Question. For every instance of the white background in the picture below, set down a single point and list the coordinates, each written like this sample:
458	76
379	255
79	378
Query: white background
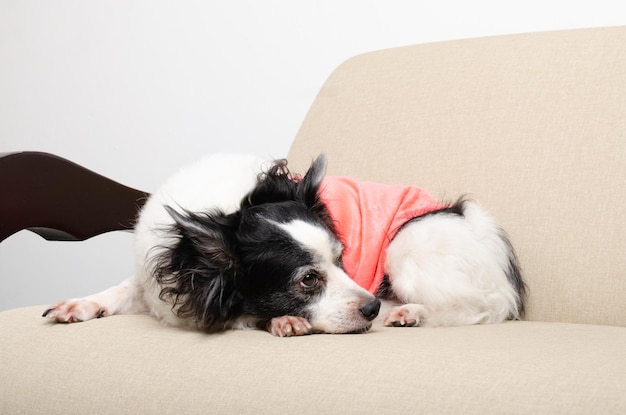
134	89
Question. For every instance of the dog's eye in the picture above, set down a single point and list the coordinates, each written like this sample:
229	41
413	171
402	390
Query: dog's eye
310	280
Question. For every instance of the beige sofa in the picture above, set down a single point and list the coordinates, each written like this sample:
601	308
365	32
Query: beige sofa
534	127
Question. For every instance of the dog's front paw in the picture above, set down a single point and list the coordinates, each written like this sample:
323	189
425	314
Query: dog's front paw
287	326
72	311
406	315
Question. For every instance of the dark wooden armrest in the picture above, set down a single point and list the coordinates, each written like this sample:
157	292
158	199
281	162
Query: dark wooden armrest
60	200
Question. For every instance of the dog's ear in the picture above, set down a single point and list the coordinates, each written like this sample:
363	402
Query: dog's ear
308	187
197	272
279	185
274	185
309	192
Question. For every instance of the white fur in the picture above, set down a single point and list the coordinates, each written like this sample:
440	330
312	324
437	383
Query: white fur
453	267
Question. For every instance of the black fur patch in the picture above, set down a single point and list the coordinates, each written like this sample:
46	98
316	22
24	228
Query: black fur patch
224	266
514	274
385	291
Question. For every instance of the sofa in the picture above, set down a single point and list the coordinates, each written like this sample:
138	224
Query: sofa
533	126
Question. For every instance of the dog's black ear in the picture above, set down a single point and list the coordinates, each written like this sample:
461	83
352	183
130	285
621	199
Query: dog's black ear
273	186
197	272
308	187
309	192
277	184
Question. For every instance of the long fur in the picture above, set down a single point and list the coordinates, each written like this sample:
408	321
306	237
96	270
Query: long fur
199	271
458	264
234	242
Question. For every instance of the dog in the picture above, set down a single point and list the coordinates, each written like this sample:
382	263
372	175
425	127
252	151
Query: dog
234	242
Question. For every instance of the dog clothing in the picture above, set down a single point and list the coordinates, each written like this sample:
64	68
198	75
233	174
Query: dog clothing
367	216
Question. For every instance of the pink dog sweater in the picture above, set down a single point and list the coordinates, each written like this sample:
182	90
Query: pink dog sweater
367	216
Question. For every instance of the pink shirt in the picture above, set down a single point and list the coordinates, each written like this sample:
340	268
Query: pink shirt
367	216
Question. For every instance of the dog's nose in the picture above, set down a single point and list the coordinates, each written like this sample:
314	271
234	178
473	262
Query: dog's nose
370	310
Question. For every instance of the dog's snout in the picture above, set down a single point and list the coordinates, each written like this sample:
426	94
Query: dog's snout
370	310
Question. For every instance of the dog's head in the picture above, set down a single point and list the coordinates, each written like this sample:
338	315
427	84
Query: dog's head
278	255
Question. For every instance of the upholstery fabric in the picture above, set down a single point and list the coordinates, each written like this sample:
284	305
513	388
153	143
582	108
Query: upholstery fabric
132	365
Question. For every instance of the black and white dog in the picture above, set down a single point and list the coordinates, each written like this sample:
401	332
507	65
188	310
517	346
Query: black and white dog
236	242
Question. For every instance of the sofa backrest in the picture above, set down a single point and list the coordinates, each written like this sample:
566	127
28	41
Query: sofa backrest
533	126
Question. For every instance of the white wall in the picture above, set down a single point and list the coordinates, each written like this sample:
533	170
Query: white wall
132	89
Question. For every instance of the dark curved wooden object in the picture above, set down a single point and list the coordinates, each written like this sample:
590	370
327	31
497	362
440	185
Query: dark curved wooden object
60	200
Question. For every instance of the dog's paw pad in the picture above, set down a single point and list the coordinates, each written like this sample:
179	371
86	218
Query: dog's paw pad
407	315
74	311
287	326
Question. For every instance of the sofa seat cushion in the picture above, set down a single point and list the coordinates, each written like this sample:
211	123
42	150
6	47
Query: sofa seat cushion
131	364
